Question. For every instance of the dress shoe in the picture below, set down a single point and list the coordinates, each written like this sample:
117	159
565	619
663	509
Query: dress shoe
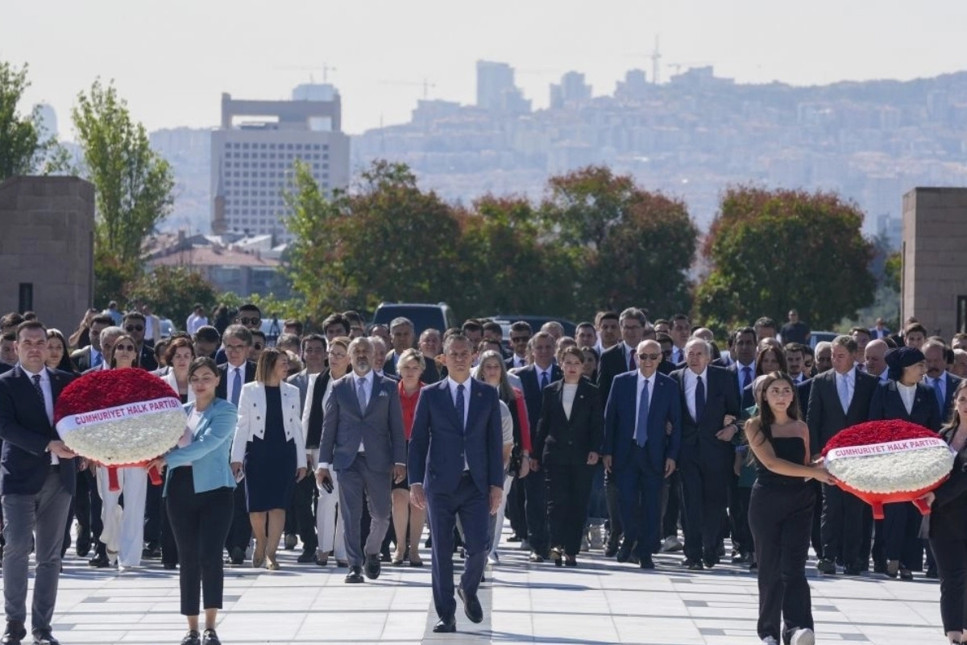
236	555
290	541
646	563
826	567
170	565
610	550
570	561
892	568
557	557
354	576
879	566
471	606
191	638
342	564
44	637
83	547
372	566
514	538
306	557
151	552
692	565
624	553
851	571
14	633
804	636
209	637
100	561
535	557
710	561
445	626
931	573
740	558
906	574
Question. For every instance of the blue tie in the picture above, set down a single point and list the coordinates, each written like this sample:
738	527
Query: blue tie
361	394
544	381
937	388
97	359
746	376
699	399
236	387
460	406
641	430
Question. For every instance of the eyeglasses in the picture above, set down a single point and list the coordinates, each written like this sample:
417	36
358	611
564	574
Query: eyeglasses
134	328
649	357
250	321
235	348
124	348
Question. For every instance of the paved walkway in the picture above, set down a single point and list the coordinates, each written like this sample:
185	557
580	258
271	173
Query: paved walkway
600	602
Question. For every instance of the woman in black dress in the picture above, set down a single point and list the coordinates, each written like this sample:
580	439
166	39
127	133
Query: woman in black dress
269	450
947	525
780	512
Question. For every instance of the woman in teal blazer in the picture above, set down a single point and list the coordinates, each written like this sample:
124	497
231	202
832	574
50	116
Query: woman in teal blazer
199	498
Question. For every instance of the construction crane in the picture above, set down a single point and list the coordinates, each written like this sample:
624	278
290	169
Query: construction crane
325	68
426	84
689	65
655	63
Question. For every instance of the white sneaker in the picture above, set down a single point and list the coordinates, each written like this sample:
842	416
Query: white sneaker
671	544
803	636
769	640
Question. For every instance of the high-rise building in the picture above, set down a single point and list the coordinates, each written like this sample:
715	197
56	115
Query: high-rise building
572	91
496	90
252	160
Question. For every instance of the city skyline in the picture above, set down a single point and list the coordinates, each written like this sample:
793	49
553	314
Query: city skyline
171	62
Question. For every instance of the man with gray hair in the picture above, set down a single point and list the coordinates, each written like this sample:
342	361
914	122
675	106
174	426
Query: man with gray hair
109	336
362	440
402	334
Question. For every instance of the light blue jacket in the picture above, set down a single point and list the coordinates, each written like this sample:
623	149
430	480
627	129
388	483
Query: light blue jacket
208	452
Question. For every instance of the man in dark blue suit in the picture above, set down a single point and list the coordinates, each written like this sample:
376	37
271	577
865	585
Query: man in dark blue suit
640	449
534	378
708	395
943	382
37	479
456	470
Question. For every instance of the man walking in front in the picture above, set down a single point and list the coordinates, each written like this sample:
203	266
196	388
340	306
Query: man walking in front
456	470
37	479
362	439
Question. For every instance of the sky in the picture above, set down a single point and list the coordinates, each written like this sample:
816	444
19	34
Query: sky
172	59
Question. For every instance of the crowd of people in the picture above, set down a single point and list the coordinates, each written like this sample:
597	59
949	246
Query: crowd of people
634	436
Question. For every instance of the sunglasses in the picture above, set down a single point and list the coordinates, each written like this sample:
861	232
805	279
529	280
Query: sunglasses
124	348
134	328
250	321
649	357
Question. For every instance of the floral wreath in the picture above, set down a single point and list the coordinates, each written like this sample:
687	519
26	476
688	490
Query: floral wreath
118	418
884	462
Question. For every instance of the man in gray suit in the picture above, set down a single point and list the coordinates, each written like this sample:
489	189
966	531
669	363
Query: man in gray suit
362	439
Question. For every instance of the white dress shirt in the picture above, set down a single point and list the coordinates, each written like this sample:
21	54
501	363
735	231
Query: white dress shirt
691	381
48	399
907	394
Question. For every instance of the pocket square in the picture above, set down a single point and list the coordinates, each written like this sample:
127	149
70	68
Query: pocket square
382	393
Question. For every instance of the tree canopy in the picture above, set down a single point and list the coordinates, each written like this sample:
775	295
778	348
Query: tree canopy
25	148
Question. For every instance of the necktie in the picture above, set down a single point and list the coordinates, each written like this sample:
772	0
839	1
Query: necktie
460	404
236	387
699	399
746	376
938	390
98	359
631	361
361	394
843	392
40	390
544	381
641	430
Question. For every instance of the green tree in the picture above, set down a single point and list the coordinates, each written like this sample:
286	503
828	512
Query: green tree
133	184
25	148
389	240
632	246
770	251
172	291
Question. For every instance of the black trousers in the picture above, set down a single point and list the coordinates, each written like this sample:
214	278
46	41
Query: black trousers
780	516
515	508
742	541
671	505
536	509
842	527
568	493
87	508
951	556
615	526
200	523
240	533
298	517
901	532
705	476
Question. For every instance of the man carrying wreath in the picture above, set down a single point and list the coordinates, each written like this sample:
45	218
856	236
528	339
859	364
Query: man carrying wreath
37	478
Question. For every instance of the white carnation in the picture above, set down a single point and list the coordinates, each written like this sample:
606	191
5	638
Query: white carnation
897	472
130	440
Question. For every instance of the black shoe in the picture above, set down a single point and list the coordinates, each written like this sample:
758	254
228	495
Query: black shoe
306	557
692	565
610	550
354	576
209	637
83	547
169	565
710	561
471	606
236	555
879	566
151	552
514	538
445	626
646	563
191	638
932	574
100	561
372	566
827	567
740	558
570	561
624	553
851	571
44	637
536	557
14	633
290	541
906	574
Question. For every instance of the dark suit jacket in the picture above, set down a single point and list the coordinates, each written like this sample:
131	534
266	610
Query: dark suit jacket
620	420
721	398
567	441
887	404
948	519
82	358
26	431
439	445
532	392
803	390
951	383
824	414
146	359
313	430
614	361
222	390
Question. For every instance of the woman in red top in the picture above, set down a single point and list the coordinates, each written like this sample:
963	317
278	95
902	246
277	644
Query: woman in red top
407	519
